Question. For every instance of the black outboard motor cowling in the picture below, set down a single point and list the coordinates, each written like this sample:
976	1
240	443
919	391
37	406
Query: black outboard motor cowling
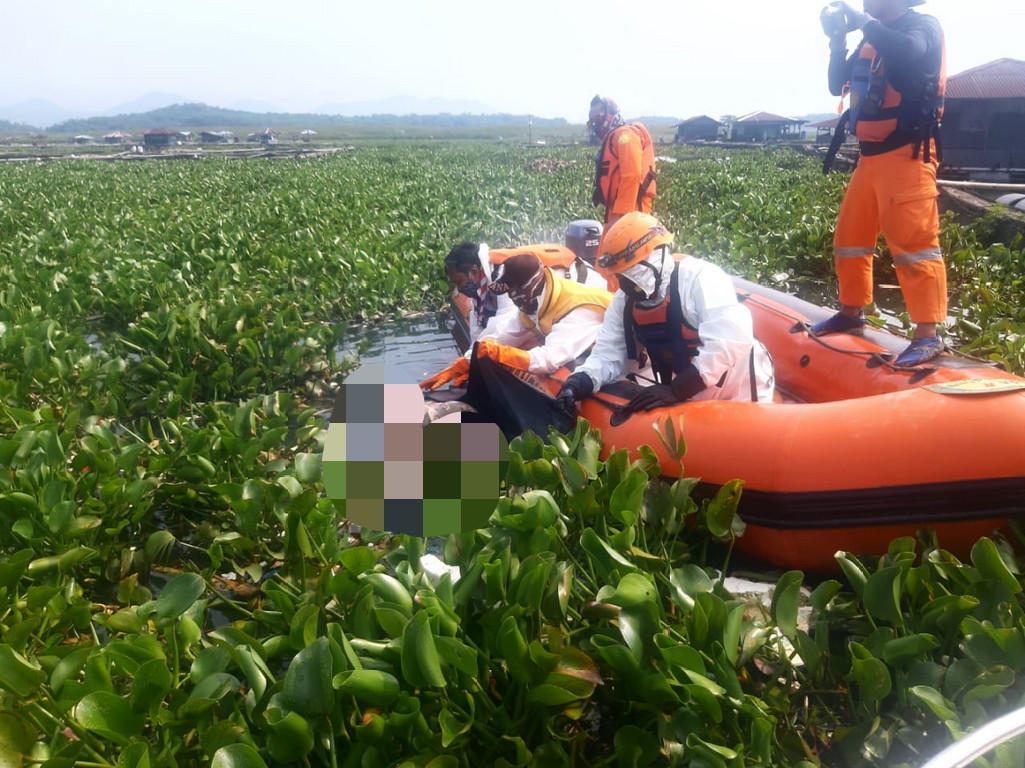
583	237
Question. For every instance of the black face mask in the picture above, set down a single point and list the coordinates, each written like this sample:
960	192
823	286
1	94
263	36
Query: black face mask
470	287
631	289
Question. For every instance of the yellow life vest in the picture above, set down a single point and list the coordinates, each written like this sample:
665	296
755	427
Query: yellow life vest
561	298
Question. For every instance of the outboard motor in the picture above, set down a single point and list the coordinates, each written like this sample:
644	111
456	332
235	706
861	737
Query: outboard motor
583	237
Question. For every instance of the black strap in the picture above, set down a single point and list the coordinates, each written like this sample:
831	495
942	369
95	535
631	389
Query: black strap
838	138
628	329
648	179
754	385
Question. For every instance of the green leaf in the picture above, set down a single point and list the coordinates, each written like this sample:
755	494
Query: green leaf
871	675
605	558
513	647
390	589
786	598
722	509
856	573
370	686
421	665
16	738
986	557
633	589
901	650
358	559
628	496
237	756
307	688
933	701
291	736
452	726
882	595
150	685
179	595
109	715
18	674
687	583
307	467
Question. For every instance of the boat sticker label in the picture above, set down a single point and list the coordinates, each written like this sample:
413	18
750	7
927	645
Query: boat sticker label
977	386
385	469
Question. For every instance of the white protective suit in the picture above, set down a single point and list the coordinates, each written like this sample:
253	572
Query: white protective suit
505	327
570	337
709	303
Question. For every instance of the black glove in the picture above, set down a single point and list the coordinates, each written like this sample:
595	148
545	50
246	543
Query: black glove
683	387
855	19
577	386
655	396
833	21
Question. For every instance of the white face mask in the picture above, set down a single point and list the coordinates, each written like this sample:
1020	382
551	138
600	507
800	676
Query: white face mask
646	273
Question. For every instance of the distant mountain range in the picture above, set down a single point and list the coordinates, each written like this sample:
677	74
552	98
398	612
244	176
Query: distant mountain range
39	114
164	110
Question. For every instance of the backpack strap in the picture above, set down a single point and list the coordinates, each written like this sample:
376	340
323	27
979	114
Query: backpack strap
838	138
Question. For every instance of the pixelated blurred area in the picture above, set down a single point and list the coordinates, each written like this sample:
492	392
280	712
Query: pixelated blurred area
389	472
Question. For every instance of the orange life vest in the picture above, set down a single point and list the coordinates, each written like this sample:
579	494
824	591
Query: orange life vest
550	254
607	171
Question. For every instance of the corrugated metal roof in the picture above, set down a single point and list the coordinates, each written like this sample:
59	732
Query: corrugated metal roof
699	118
1000	79
766	117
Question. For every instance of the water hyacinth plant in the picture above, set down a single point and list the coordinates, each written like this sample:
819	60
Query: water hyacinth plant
175	589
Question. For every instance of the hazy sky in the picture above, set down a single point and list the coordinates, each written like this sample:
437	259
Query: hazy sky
546	57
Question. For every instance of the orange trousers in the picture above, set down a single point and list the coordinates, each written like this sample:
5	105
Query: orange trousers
895	194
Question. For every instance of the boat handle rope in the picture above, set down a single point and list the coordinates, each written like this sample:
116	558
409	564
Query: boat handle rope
874	359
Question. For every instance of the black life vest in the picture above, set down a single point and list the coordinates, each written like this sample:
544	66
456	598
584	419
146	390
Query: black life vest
670	342
895	108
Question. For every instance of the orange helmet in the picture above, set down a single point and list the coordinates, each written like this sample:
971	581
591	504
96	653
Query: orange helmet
630	241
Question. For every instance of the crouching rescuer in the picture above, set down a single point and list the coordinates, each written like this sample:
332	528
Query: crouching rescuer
557	322
683	312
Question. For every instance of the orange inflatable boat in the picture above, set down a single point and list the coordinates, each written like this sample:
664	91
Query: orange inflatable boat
856	452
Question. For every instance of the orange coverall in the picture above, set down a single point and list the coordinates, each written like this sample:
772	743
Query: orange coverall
893	189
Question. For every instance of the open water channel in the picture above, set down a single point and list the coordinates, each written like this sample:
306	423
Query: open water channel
418	345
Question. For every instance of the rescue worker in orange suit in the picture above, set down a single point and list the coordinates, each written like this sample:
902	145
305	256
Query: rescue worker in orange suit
624	177
897	78
557	322
683	311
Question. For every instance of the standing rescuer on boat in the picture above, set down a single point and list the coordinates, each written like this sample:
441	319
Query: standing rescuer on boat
684	312
896	78
624	169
